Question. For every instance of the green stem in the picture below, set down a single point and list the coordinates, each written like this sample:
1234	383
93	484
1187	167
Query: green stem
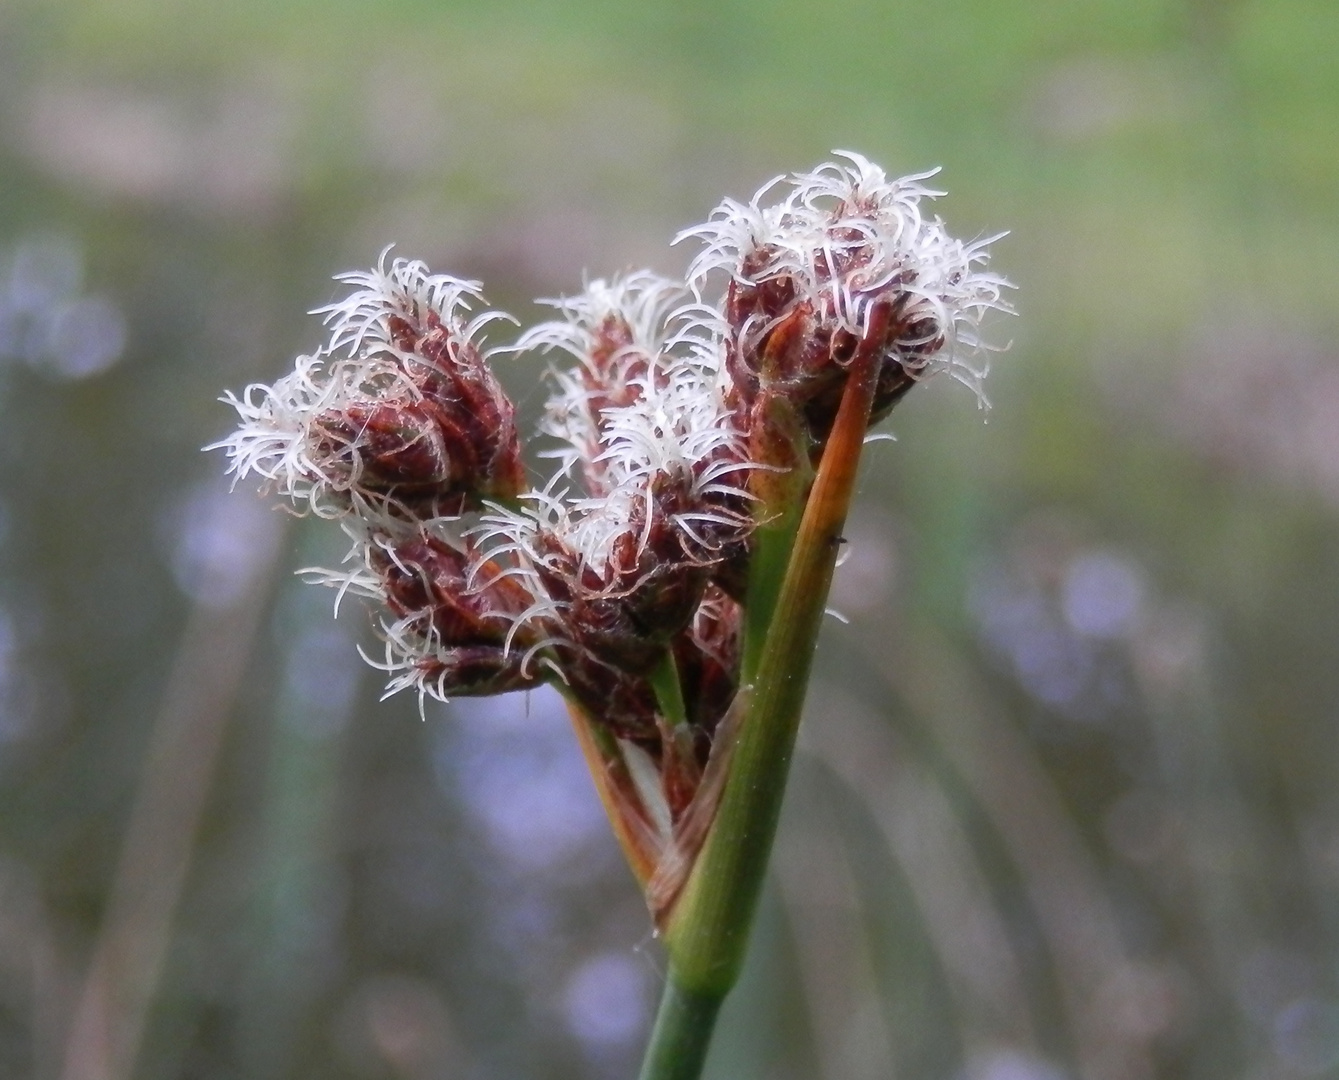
682	1033
707	932
707	929
772	545
664	680
780	484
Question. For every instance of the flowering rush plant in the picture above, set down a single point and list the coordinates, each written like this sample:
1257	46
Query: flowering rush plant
669	578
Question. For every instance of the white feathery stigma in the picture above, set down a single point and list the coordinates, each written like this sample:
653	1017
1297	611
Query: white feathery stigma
845	235
616	330
639	303
406	288
278	437
678	424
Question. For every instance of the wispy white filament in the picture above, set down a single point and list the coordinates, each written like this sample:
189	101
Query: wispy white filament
843	234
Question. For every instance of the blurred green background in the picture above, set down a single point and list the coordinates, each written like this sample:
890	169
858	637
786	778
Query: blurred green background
1066	807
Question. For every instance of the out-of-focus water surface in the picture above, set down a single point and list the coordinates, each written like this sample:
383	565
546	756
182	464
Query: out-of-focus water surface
1065	806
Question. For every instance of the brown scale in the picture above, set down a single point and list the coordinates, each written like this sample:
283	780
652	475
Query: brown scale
468	607
647	590
469	616
621	703
724	546
387	446
707	657
466	403
625	620
478	671
803	356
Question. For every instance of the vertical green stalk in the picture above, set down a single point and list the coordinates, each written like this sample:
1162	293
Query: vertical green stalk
682	1033
664	679
706	932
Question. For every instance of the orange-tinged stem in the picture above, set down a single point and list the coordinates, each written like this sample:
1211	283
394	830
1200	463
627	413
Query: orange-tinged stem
707	927
636	835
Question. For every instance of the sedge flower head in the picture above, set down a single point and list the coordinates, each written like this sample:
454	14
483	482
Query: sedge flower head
450	621
806	271
685	419
617	331
397	415
623	568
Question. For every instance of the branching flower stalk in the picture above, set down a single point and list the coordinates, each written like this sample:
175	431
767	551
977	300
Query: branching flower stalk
669	578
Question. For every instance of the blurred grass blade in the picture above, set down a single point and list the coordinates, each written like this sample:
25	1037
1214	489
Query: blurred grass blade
128	957
917	1002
